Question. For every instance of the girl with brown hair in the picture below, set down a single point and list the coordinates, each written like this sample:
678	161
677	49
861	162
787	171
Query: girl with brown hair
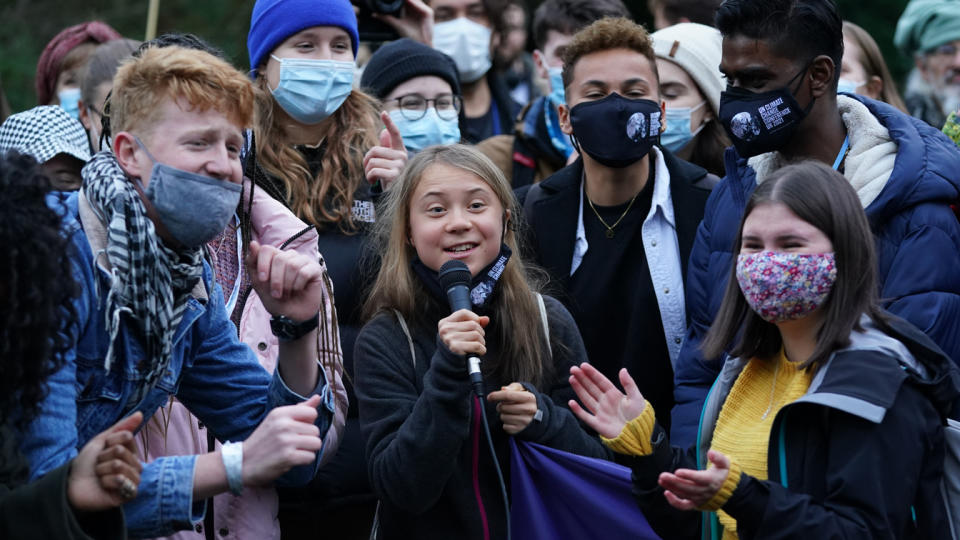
820	394
417	415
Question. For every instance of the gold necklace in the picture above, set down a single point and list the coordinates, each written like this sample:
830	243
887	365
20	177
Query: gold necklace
610	228
773	390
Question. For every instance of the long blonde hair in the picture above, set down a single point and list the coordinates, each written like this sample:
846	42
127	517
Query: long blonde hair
326	200
516	315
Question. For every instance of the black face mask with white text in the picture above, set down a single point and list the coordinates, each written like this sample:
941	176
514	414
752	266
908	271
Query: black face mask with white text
615	131
761	122
482	285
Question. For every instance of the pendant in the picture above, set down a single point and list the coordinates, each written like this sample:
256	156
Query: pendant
610	233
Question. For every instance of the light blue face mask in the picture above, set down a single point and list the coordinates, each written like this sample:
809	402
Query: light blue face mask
678	134
848	86
427	131
311	90
70	101
556	85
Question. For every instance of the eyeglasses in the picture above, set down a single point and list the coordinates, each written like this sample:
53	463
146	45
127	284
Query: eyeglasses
414	106
948	49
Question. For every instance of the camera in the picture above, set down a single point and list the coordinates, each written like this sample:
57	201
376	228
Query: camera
385	7
369	28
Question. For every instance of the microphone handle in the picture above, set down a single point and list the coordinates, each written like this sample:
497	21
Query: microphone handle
476	378
459	298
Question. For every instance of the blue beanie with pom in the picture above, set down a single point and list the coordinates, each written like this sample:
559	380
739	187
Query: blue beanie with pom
273	21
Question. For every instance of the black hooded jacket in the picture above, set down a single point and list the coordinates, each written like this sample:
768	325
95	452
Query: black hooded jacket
860	455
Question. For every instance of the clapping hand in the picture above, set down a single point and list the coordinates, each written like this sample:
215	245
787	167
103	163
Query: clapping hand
286	438
288	283
605	408
687	489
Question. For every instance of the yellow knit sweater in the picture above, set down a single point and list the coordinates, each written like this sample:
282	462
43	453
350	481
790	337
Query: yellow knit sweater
743	427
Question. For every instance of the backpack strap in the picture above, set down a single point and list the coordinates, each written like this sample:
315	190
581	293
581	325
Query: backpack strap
406	332
543	320
375	527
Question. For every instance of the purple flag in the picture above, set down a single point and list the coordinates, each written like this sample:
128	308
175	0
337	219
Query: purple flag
558	495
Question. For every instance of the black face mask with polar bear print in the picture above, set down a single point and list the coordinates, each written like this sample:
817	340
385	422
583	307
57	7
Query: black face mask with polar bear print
616	131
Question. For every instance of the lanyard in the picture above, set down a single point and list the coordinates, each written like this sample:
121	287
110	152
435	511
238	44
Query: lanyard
842	154
232	301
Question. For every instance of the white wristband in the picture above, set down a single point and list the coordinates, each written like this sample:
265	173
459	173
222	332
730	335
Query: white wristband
232	454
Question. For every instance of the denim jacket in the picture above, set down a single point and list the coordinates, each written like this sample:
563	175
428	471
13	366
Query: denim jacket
211	371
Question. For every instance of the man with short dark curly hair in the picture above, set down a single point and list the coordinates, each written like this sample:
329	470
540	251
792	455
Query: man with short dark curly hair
614	228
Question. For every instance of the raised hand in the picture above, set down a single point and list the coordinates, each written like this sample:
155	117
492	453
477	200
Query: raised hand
288	283
416	23
106	472
385	162
462	332
516	407
687	489
286	438
607	408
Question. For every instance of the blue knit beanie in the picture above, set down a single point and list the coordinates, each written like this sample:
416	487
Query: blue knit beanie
273	21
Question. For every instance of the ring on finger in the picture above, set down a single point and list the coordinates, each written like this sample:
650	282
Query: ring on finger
128	489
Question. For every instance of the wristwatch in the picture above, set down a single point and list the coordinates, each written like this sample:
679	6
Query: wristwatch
287	329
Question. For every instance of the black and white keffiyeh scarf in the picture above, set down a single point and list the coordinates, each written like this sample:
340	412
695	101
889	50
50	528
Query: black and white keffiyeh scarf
150	282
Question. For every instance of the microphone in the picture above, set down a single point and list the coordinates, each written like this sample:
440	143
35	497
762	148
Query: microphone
455	280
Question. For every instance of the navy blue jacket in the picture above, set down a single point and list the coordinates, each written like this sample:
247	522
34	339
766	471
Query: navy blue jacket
918	251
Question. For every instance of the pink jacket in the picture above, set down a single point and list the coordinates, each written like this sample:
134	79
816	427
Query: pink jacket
253	515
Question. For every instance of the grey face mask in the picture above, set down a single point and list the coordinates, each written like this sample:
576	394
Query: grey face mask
194	208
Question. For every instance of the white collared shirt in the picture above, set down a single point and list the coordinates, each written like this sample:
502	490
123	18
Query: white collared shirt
662	249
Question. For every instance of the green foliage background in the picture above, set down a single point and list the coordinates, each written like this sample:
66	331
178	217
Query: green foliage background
29	24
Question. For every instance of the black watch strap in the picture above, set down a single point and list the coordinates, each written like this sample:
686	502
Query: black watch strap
287	329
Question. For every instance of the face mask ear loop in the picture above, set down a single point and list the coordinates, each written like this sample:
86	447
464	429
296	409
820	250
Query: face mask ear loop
806	110
702	124
575	143
144	148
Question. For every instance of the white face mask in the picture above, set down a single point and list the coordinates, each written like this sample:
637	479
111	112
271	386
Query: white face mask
468	43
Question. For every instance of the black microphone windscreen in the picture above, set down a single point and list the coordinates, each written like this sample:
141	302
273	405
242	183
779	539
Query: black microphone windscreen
454	273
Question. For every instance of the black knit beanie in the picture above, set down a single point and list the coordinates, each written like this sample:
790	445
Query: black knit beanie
401	60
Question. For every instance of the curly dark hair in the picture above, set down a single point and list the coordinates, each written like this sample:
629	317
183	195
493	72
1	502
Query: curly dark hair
36	288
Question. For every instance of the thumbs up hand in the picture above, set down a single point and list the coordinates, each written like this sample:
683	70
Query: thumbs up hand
385	162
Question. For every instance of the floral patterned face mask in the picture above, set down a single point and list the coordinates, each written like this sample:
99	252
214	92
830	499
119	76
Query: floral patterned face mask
785	286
